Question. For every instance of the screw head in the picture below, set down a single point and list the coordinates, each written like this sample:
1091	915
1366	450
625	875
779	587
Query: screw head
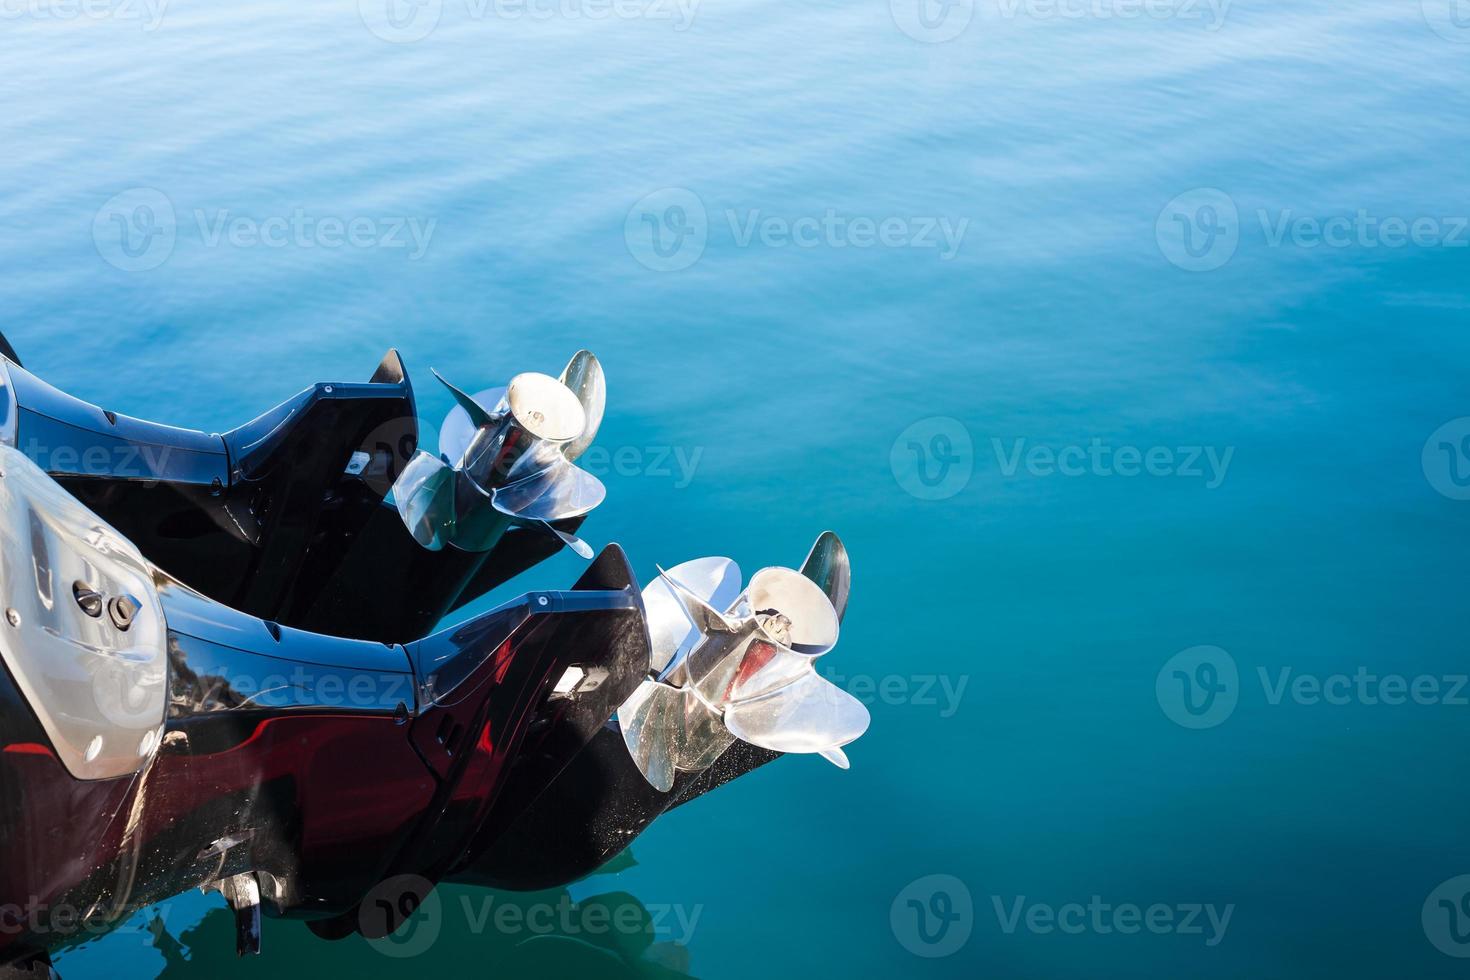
12	617
89	599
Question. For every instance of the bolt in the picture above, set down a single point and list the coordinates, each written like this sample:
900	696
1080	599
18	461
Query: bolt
122	610
12	617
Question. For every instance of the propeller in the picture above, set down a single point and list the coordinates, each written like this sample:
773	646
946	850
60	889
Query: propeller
729	663
506	457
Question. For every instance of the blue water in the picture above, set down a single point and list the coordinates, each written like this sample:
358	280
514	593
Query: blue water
1131	202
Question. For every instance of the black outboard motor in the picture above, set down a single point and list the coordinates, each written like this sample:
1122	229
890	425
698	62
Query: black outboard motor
216	660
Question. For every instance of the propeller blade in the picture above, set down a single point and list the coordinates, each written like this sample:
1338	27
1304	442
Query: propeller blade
827	565
424	496
477	413
583	375
714	580
582	548
702	615
556	493
652	723
811	715
457	431
837	757
813	621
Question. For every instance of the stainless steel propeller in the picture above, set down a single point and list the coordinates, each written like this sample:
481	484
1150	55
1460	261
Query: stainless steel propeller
730	664
506	457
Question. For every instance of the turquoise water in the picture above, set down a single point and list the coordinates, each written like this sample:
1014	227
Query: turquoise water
938	295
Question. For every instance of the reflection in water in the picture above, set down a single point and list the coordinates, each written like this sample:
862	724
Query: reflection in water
536	934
